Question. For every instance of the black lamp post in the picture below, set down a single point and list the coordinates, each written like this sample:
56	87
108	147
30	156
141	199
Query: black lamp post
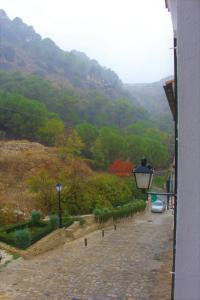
59	189
143	175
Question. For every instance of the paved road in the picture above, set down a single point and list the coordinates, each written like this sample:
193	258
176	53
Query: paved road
124	265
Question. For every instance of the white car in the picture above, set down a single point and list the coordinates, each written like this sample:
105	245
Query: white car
158	206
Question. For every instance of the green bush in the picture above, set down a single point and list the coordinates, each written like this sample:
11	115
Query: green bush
22	238
82	221
79	219
125	211
53	221
67	221
10	228
97	213
35	217
41	233
14	234
7	238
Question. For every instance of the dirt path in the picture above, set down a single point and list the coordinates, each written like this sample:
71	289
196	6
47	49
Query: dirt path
132	262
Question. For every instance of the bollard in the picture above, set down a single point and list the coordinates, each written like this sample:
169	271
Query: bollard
102	233
115	227
85	242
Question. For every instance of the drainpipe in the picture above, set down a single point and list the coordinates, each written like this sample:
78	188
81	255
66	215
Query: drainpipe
176	167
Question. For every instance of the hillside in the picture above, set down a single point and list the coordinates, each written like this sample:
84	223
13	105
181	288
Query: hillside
150	95
23	50
19	160
29	173
65	118
22	163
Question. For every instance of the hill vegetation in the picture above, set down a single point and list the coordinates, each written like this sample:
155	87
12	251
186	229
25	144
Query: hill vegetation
81	126
22	49
29	172
150	95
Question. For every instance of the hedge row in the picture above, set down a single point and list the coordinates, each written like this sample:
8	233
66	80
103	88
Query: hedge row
6	238
20	235
43	232
13	227
103	215
67	221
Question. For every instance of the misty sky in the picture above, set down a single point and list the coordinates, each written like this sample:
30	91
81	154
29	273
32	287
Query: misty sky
132	37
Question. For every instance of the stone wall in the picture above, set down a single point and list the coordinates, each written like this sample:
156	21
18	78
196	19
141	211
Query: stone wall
11	249
52	240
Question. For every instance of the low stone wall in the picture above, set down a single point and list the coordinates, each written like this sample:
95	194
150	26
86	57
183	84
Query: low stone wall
49	242
76	230
11	249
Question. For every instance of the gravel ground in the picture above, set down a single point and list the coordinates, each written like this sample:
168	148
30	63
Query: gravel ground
131	263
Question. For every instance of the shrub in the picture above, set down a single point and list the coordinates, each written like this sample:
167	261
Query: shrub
10	228
79	219
22	238
35	217
41	233
6	238
82	221
53	221
67	221
103	215
97	212
123	212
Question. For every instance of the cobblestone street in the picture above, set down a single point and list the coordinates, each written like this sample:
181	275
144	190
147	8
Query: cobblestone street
125	264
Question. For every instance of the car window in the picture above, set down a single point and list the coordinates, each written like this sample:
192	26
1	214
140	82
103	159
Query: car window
158	203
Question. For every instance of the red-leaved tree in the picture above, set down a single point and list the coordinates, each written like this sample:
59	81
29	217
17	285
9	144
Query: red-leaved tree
121	168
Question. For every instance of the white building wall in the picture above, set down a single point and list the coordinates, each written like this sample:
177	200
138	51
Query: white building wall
172	7
187	263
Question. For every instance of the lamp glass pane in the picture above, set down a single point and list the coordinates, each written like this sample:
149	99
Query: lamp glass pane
58	187
151	179
143	180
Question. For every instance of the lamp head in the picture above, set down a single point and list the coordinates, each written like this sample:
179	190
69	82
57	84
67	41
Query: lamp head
143	175
58	187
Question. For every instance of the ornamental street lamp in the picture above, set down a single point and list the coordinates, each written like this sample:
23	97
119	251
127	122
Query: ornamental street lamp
143	175
59	189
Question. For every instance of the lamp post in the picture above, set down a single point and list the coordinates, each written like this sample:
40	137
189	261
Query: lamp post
59	189
143	175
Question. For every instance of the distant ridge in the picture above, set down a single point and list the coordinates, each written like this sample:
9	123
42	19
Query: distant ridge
150	95
22	49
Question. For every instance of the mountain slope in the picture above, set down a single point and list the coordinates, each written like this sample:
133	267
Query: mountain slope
22	49
150	95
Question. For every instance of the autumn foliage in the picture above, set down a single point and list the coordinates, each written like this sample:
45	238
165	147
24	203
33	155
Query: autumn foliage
121	168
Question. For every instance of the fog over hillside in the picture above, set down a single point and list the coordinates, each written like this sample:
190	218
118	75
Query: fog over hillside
23	50
150	95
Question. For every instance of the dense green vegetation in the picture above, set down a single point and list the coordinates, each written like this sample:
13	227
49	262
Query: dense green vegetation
83	190
25	118
22	235
98	130
84	97
125	211
108	129
72	105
